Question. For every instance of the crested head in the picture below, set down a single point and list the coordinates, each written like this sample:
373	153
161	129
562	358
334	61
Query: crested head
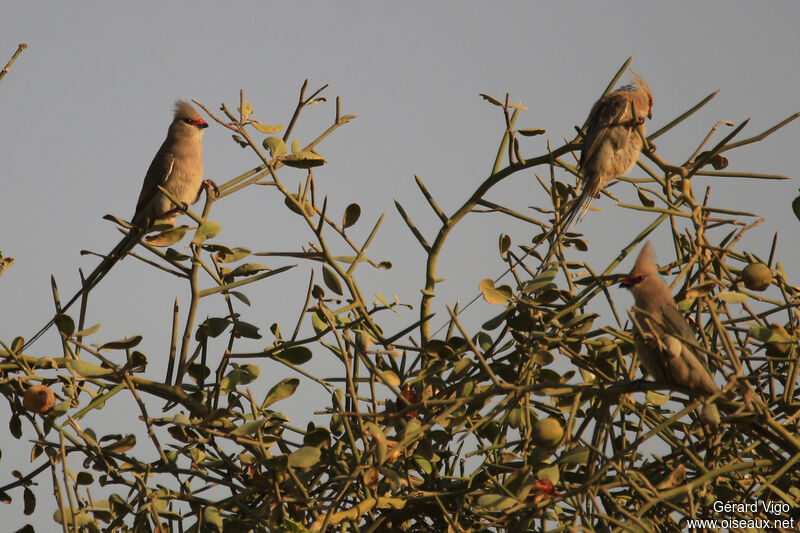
638	84
184	112
644	267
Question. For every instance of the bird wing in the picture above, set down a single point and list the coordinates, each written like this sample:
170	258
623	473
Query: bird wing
675	322
608	112
157	173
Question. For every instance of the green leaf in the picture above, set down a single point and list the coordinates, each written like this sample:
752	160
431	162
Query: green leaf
207	230
305	457
84	478
281	391
241	297
248	269
796	207
64	323
276	146
496	502
240	375
331	280
549	472
494	323
122	445
656	398
29	502
296	355
318	323
575	456
238	140
88	370
248	428
504	244
246	110
351	215
212	517
491	100
307	206
122	344
304	160
88	331
495	295
167	238
246	330
646	200
732	297
423	464
234	255
531	132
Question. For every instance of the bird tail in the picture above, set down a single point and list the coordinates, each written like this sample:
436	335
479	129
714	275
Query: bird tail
578	209
120	250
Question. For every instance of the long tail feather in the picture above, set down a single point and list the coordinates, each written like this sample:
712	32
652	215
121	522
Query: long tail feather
120	250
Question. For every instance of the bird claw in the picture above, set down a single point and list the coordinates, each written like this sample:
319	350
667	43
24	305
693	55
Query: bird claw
651	148
208	184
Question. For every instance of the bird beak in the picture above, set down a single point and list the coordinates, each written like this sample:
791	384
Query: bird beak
203	125
650	114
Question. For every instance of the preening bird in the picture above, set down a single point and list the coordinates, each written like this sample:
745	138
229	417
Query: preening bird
178	168
611	145
661	348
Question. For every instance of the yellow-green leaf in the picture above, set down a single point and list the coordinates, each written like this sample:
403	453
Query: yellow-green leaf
234	255
304	159
88	370
495	295
212	517
122	344
307	206
246	110
732	297
496	502
331	280
646	200
248	428
505	244
276	146
281	391
491	100
266	128
248	269
207	230
122	445
167	238
305	457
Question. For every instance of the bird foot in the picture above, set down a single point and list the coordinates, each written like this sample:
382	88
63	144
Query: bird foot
208	184
651	148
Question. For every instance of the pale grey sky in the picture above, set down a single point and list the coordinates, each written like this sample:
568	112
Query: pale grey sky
85	107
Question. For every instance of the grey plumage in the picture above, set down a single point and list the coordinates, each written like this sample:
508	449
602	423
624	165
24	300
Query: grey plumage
178	168
611	144
665	356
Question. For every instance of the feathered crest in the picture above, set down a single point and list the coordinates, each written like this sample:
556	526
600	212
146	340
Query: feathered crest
646	262
637	82
184	110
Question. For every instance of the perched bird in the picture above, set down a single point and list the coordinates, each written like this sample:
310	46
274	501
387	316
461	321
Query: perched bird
661	345
178	168
611	145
